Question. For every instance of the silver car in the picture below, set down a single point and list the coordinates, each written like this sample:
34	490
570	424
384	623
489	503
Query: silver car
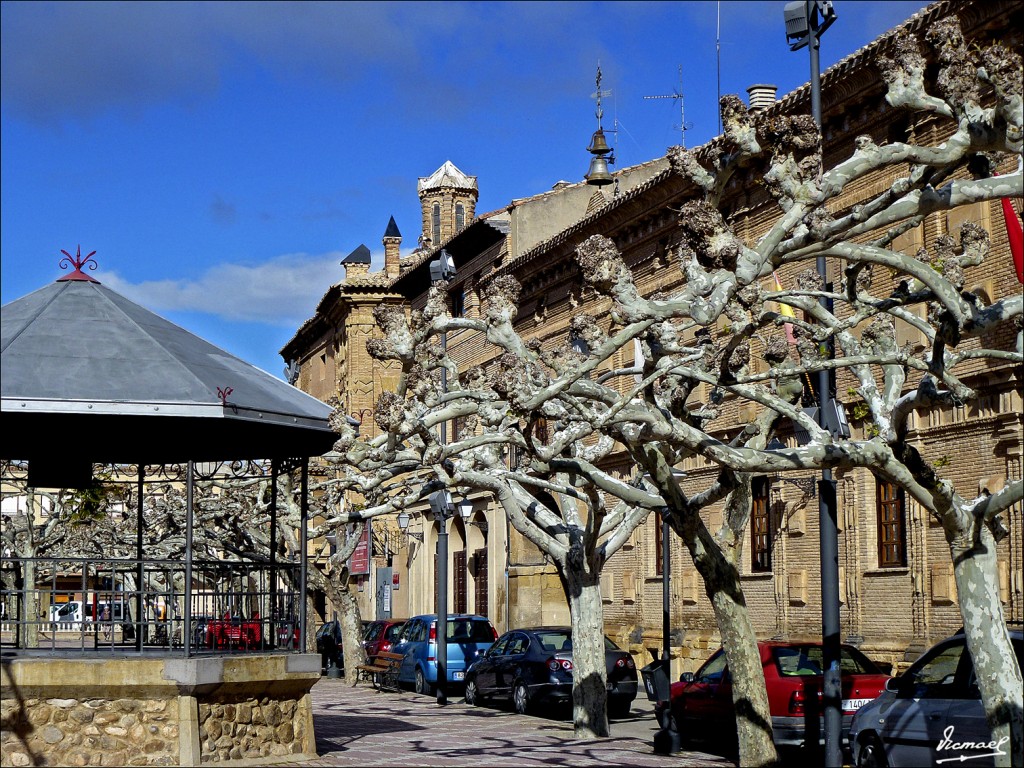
930	715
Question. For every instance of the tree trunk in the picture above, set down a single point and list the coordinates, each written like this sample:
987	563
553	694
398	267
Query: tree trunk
999	675
30	607
351	631
590	677
749	694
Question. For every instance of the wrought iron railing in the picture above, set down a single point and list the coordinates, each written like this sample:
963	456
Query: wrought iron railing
82	604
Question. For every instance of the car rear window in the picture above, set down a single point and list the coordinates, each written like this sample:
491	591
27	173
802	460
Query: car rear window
470	630
801	660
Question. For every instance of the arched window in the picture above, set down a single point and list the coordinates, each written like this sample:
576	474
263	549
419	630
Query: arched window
436	224
460	217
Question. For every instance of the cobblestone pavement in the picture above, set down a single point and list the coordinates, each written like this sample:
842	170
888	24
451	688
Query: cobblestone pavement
364	727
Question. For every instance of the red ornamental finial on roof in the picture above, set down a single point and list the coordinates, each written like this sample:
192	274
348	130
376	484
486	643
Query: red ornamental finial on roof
77	262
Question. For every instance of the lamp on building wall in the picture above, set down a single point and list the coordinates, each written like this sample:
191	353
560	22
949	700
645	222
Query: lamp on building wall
403	524
806	21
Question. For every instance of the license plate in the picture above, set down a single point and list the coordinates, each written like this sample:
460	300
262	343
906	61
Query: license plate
849	705
458	675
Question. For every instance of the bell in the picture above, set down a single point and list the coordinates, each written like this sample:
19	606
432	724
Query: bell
598	175
598	145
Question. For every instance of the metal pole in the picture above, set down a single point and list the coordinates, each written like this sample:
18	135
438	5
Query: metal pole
272	626
442	612
442	568
190	480
666	580
303	553
828	527
140	574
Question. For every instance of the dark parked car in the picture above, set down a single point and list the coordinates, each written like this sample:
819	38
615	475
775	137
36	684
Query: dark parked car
381	635
329	646
468	637
930	713
702	703
533	667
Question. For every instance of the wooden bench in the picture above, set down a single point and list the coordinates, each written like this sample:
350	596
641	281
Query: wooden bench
382	671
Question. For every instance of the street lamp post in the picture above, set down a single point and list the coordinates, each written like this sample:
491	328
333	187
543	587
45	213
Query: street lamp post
442	268
806	22
444	508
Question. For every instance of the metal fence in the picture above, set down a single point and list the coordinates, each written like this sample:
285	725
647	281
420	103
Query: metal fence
80	604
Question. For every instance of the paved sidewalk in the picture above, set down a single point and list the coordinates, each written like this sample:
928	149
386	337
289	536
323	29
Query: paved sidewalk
363	727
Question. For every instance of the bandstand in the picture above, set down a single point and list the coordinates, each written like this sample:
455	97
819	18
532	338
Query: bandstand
137	654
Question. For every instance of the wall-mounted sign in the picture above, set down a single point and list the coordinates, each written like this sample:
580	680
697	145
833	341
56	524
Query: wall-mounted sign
359	563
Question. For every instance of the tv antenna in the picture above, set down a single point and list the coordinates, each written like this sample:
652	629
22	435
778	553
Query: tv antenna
683	126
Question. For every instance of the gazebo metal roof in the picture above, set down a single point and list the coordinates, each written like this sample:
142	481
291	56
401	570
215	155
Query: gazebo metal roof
89	375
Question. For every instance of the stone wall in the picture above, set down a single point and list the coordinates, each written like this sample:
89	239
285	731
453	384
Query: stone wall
68	731
157	711
249	728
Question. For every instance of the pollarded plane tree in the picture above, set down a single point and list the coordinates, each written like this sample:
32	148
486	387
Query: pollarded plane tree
555	495
980	93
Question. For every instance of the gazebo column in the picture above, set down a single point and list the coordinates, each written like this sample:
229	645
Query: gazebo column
189	497
140	573
303	554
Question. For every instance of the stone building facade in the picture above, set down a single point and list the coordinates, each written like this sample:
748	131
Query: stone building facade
897	596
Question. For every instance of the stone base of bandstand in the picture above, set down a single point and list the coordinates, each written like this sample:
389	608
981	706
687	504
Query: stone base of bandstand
157	711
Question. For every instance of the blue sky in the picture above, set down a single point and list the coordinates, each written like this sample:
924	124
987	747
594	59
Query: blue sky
222	158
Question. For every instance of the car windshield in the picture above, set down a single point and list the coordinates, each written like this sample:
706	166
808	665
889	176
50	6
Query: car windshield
796	660
468	630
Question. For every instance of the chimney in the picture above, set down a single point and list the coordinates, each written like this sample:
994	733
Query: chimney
762	96
357	263
392	242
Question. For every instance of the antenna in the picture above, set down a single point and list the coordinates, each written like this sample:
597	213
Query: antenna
683	126
718	63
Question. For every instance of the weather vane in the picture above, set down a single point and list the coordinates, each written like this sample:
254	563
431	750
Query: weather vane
77	261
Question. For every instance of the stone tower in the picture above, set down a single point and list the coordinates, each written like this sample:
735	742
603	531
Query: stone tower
448	201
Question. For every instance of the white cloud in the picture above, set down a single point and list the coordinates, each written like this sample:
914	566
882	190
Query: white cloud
282	292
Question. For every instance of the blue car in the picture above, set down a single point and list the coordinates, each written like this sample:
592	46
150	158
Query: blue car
468	638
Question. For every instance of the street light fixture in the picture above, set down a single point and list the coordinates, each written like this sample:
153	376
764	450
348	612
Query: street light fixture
806	21
403	524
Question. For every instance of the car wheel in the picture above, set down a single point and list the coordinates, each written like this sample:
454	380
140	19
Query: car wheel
872	754
473	697
421	685
521	698
618	707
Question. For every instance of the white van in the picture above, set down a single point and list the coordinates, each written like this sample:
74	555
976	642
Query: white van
67	616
